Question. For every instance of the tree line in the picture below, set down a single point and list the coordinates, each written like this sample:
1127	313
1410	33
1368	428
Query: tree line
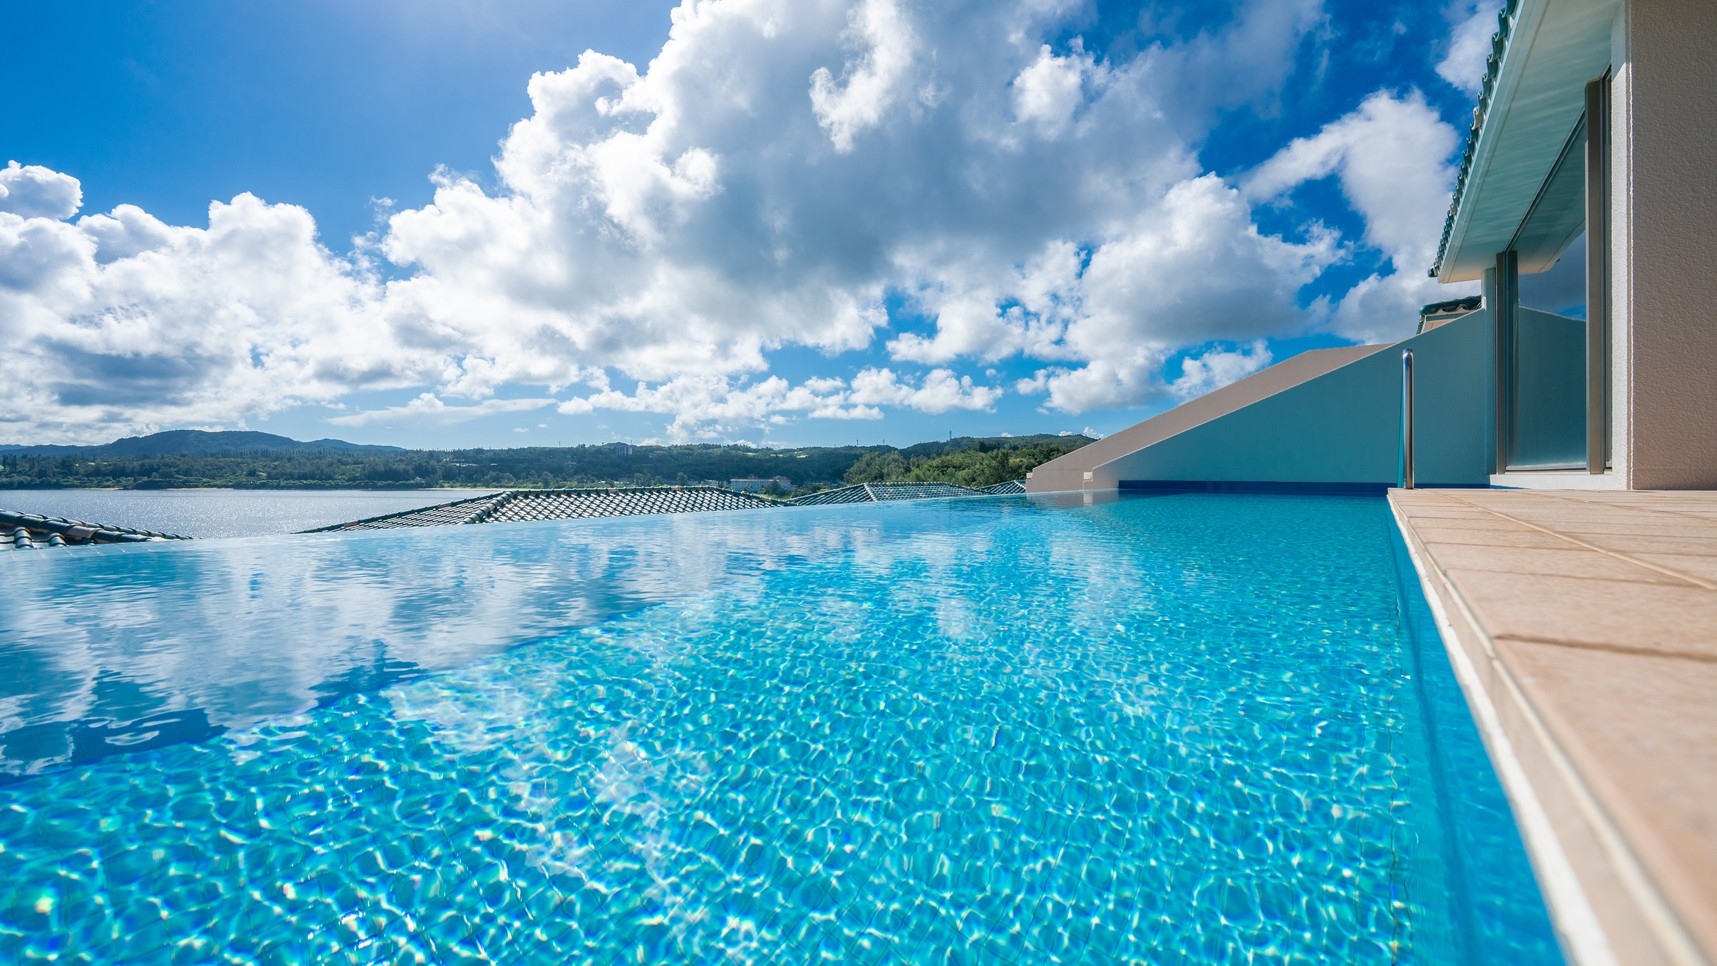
965	461
984	464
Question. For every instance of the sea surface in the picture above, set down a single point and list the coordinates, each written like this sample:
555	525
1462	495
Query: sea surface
223	513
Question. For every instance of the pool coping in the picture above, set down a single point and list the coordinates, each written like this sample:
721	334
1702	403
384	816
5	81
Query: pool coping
1606	903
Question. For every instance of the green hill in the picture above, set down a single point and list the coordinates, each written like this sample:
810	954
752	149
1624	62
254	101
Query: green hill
197	442
190	458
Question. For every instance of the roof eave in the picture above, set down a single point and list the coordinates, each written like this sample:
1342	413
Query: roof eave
1499	48
1531	101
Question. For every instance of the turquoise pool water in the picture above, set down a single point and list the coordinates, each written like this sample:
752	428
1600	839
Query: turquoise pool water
992	731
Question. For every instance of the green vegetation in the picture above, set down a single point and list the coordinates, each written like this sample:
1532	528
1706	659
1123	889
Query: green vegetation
132	464
985	462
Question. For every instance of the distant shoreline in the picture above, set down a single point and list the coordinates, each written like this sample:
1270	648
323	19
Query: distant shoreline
245	461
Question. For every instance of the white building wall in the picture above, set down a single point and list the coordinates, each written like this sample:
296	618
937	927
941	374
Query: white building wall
1621	230
1666	250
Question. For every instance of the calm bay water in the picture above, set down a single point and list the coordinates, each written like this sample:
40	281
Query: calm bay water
223	513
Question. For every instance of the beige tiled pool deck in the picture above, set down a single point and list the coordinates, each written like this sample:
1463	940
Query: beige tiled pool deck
1586	623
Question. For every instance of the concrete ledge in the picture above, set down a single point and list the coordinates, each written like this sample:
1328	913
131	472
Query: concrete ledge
1557	480
1590	664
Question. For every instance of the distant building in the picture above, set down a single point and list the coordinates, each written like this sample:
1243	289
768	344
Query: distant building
1438	313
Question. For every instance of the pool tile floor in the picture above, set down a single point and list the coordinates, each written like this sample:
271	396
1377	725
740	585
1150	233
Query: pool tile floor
1590	622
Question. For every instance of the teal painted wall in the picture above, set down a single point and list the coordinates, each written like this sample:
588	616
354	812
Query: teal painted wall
1345	426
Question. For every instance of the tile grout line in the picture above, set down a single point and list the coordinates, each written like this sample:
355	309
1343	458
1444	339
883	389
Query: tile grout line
1644	506
1628	507
1622	649
1643	582
1616	554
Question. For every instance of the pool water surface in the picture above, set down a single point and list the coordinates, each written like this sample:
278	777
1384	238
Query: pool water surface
995	730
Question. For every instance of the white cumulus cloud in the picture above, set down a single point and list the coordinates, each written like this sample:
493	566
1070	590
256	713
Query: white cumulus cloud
710	407
1469	44
32	191
1189	269
1049	90
940	391
871	82
125	323
1219	367
770	178
431	408
1393	158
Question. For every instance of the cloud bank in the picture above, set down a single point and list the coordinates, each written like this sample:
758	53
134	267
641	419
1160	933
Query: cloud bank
948	185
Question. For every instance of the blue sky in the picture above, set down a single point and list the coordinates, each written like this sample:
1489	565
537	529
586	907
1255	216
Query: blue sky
453	222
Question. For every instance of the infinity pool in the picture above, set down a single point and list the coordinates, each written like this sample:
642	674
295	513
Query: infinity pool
989	730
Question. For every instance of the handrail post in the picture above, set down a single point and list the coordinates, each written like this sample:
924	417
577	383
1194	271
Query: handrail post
1406	419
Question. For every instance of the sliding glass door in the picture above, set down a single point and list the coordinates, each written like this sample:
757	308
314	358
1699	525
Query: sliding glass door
1551	314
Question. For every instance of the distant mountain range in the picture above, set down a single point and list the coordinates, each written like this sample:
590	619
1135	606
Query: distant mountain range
196	442
246	460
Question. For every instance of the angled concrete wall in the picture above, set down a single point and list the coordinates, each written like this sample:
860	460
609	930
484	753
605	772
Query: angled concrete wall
1069	472
1338	425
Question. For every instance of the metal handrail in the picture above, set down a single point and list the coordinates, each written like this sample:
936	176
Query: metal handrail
1406	419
